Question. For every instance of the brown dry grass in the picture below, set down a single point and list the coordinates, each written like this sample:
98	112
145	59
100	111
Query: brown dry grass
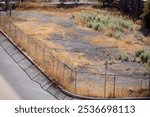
41	33
45	8
126	45
73	60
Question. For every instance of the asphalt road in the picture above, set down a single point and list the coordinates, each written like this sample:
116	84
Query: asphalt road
14	81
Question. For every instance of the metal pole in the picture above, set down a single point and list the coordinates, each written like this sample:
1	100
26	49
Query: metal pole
10	33
43	57
145	85
141	83
105	79
149	84
56	69
76	76
63	77
28	46
53	64
10	8
71	78
35	51
15	35
114	86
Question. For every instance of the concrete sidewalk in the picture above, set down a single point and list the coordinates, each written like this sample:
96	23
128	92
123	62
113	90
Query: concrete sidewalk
14	82
10	93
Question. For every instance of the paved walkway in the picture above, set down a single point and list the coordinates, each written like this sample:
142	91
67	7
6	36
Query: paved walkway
14	81
10	93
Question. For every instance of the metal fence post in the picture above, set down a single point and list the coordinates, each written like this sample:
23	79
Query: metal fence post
114	88
56	68
28	45
141	84
53	64
35	51
145	85
43	58
9	28
21	39
0	20
5	25
15	35
105	79
149	86
63	73
76	78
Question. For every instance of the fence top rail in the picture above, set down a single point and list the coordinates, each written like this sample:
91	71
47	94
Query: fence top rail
112	75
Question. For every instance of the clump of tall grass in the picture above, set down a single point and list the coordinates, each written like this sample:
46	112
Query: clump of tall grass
113	26
139	36
123	57
144	58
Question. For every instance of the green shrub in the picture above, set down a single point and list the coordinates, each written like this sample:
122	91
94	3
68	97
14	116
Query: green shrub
118	34
90	25
139	52
139	36
123	57
114	26
126	24
95	26
101	27
143	57
98	19
146	14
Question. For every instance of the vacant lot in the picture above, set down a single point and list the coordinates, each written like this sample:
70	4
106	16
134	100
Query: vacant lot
85	38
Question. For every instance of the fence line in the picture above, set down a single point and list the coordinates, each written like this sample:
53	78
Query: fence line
80	83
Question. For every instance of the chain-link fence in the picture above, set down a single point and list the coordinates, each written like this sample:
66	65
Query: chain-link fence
77	82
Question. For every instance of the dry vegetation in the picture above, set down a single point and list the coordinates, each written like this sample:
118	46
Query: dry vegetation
41	33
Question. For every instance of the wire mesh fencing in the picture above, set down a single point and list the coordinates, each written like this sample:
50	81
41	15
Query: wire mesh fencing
85	84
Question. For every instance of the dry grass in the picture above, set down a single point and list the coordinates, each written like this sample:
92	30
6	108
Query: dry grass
72	60
125	45
44	7
41	32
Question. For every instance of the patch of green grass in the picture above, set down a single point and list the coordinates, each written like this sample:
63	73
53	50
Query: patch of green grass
95	26
139	52
102	27
112	61
144	58
113	26
118	34
139	36
89	25
123	57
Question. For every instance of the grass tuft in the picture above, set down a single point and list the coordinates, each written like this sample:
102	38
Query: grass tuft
113	26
